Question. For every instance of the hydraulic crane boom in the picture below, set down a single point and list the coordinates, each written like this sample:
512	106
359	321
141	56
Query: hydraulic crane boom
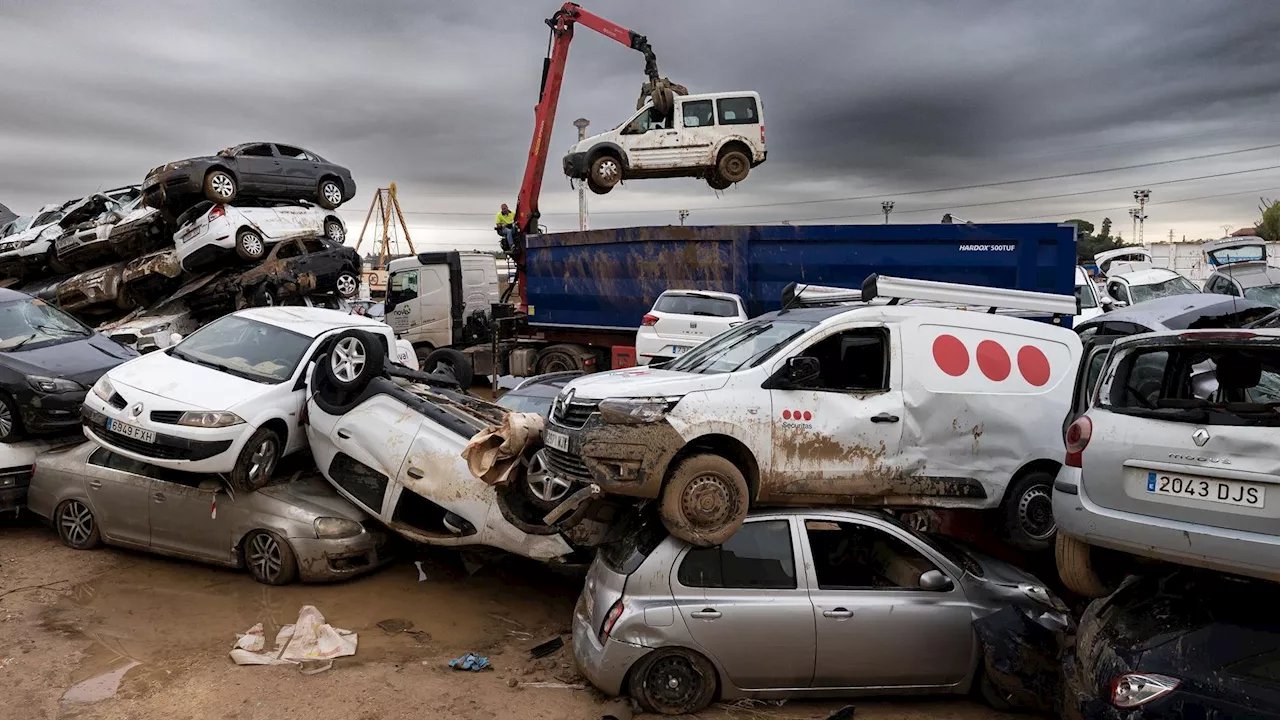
561	24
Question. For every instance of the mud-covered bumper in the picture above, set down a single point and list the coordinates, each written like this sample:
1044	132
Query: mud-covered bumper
323	560
604	664
575	165
621	459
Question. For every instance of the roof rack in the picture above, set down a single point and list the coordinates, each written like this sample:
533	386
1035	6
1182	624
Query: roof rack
953	295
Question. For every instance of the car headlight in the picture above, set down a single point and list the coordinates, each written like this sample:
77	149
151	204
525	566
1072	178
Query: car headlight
104	389
209	419
1042	596
54	385
635	411
1133	690
331	528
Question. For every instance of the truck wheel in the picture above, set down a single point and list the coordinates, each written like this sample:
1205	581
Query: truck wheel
219	186
249	245
1075	567
355	358
705	500
560	358
1028	508
673	681
733	166
453	362
606	171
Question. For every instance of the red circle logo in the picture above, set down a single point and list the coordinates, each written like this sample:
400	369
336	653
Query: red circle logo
950	355
786	414
808	415
993	361
1033	365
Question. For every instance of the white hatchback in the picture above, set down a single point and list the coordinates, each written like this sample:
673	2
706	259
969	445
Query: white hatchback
207	232
682	320
227	399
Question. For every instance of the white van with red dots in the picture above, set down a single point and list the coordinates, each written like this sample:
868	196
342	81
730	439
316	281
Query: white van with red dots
907	394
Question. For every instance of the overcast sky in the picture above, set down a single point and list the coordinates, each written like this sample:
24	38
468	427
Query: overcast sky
870	98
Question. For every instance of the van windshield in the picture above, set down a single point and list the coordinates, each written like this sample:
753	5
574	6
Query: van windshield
746	346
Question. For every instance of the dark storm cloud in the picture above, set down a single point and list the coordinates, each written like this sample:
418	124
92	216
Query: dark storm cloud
860	98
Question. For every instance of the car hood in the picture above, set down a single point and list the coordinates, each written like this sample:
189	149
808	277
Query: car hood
312	494
1001	572
187	383
83	360
644	382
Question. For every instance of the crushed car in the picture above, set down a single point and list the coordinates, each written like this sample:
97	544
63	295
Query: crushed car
1132	278
847	602
122	232
839	399
120	286
291	529
152	328
208	233
293	269
1241	270
255	169
25	255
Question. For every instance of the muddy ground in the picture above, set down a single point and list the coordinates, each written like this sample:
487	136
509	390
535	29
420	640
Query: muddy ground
118	634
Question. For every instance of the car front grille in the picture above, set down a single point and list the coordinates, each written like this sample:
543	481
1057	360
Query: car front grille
118	402
573	414
168	417
568	466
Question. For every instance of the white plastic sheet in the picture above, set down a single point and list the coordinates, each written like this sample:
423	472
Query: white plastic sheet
310	638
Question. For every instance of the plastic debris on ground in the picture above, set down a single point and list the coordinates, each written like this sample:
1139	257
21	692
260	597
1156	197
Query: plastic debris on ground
470	662
308	639
546	648
495	451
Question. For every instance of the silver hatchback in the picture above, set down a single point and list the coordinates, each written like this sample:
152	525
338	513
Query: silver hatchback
798	603
1176	458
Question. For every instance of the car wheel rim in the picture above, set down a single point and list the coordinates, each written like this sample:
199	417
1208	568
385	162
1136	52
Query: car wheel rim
348	359
707	501
346	285
1035	513
542	483
263	460
6	420
76	522
734	167
264	557
252	244
222	185
608	171
332	193
335	231
672	683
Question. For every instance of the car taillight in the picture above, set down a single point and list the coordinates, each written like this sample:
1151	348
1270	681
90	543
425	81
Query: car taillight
216	212
648	320
1077	439
1133	690
761	133
610	619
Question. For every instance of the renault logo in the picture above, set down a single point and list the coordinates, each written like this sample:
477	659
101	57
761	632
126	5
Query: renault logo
1201	437
557	409
136	410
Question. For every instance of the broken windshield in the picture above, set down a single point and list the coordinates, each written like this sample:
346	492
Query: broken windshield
1268	294
1173	286
31	323
746	346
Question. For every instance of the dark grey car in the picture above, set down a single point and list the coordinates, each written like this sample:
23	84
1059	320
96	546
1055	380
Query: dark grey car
253	169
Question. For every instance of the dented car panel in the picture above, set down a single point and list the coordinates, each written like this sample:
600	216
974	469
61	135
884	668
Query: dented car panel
207	232
89	289
124	232
301	266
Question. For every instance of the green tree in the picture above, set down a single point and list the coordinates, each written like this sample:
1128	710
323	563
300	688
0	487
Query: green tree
1088	244
1083	227
1105	232
1269	225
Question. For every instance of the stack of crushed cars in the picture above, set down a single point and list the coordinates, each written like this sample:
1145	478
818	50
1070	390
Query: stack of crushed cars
253	225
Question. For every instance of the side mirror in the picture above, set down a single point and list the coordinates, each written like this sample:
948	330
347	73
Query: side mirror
935	580
175	338
797	372
1119	303
211	486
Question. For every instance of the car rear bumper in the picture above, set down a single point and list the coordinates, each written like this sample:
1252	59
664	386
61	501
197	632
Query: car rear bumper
162	187
1213	548
575	165
605	665
13	498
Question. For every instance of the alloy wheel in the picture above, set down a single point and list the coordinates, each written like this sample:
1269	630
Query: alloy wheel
222	185
332	192
6	420
347	285
347	359
334	231
263	461
76	522
252	244
264	557
542	483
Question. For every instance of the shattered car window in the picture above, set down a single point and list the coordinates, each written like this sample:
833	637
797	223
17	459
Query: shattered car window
32	323
1203	383
1269	294
745	346
1173	286
246	348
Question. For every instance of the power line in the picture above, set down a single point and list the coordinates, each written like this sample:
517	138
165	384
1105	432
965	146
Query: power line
1122	207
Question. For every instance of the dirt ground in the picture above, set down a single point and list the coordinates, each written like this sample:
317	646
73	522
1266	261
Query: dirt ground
118	634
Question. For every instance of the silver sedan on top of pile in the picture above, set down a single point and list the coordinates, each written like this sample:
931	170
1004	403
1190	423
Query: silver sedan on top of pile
286	531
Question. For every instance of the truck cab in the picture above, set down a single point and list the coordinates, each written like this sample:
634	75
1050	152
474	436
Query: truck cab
443	299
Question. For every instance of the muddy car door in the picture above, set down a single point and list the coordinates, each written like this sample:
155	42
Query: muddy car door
838	433
365	449
696	138
119	492
185	517
650	143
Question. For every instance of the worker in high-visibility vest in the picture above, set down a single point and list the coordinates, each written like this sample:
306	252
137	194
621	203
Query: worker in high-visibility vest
505	224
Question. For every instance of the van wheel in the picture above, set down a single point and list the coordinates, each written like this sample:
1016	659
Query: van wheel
705	500
219	187
716	182
355	358
1028	507
606	171
249	245
258	459
1075	566
453	362
673	681
733	166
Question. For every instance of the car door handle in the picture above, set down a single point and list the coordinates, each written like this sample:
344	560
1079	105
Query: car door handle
839	613
344	434
884	418
159	497
705	614
95	484
415	473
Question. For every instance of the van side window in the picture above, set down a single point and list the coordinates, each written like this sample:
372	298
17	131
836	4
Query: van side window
852	360
697	113
402	287
737	111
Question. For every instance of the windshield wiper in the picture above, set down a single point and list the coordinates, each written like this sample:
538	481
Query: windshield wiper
23	341
221	368
56	329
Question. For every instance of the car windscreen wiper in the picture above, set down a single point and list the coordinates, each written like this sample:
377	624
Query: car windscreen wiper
24	341
222	368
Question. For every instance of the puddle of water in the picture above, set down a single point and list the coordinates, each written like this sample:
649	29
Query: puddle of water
98	687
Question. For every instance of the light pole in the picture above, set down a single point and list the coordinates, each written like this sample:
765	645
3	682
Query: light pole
581	124
683	214
1142	196
887	207
1133	215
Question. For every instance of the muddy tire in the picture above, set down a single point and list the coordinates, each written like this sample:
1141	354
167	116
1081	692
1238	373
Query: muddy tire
673	681
1075	566
597	189
705	500
1028	510
606	172
56	265
220	187
560	358
76	525
452	361
422	352
733	166
335	230
258	459
354	359
250	246
347	285
269	558
10	419
329	194
716	182
991	694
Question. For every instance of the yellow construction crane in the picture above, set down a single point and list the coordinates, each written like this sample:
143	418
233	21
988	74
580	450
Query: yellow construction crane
384	231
